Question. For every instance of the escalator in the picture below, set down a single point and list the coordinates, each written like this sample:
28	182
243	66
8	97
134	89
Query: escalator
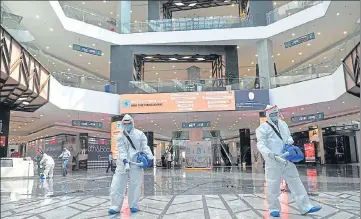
224	150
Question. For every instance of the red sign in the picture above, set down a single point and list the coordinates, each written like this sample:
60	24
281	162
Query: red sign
310	154
2	141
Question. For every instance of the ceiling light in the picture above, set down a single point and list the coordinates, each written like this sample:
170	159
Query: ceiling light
130	11
186	57
192	4
80	55
41	115
275	3
300	53
70	46
343	102
232	5
110	62
345	32
51	29
293	34
249	69
302	108
293	60
179	3
175	72
293	113
173	66
200	59
252	63
88	63
156	73
26	103
278	54
256	55
68	69
338	14
151	121
112	12
325	57
149	57
308	44
319	33
104	1
329	107
239	118
47	47
237	47
37	16
93	44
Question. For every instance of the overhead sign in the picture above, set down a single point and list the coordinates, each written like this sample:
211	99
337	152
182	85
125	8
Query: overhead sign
308	118
177	102
88	50
88	124
196	124
251	99
299	40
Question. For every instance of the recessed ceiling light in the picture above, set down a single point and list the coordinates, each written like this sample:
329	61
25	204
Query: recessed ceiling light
37	16
302	108
68	69
329	107
41	115
173	66
319	33
80	55
70	46
345	32
51	29
173	59
325	57
256	55
237	47
272	56
275	3
278	54
308	44
88	63
300	53
110	62
93	44
175	72
252	63
83	3
293	60
179	3
47	47
104	1
156	73
130	11
192	4
293	34
338	14
343	102
293	113
111	12
249	69
153	66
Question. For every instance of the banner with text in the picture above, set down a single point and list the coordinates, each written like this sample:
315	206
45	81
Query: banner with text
177	102
251	99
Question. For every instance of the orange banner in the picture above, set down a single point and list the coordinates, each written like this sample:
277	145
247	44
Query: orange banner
310	154
177	102
116	128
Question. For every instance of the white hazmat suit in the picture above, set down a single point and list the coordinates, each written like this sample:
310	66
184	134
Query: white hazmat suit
271	145
48	163
120	178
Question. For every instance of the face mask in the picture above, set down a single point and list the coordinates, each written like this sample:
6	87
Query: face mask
274	118
128	127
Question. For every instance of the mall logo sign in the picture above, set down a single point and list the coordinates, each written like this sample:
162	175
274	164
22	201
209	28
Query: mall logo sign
251	100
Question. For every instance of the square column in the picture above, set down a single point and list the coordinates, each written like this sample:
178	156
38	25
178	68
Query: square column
265	62
4	129
154	10
124	19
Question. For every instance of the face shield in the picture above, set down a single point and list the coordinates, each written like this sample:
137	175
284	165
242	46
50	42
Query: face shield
128	125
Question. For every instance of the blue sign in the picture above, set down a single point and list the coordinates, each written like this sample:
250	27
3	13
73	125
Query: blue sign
88	50
196	124
87	124
251	99
299	40
308	118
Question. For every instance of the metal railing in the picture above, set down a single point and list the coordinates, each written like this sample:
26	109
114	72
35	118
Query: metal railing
171	86
288	10
163	25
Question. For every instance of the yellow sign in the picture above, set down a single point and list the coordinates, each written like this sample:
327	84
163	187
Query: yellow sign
116	128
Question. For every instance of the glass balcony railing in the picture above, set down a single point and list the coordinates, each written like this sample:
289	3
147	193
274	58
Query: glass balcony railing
164	25
322	68
288	10
171	86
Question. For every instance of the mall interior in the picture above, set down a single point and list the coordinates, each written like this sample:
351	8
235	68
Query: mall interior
196	76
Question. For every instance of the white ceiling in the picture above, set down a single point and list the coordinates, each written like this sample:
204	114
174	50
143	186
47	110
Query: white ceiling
331	28
162	124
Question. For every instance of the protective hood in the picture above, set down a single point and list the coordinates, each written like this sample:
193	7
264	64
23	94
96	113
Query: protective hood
128	119
271	109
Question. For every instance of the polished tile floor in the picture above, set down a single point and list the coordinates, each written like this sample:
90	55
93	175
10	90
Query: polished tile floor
171	194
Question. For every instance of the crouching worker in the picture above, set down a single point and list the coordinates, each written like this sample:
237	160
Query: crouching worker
134	154
273	140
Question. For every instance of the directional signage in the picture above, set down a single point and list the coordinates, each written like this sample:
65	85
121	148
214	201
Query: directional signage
85	49
196	124
299	40
308	118
88	124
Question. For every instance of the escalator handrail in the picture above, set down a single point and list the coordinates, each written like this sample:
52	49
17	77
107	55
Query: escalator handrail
222	143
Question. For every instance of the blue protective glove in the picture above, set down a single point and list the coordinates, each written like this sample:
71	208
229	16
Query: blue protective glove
150	163
295	153
142	158
125	161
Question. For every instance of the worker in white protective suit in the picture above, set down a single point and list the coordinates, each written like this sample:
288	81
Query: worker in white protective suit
272	136
48	163
128	151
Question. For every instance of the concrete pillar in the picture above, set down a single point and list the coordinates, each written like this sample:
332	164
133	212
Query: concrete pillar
154	9
4	129
358	145
258	10
265	62
121	68
232	71
124	18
